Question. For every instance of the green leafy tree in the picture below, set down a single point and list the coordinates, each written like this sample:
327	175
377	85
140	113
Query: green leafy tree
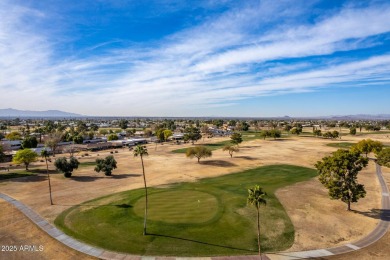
167	133
231	148
232	123
25	156
2	155
338	173
45	154
78	139
296	130
317	132
367	146
264	134
142	151
256	197
160	134
218	122
106	165
198	152
112	137
236	138
49	126
383	157
65	166
123	124
274	133
192	134
94	127
81	127
103	132
244	126
30	142
335	134
13	136
352	131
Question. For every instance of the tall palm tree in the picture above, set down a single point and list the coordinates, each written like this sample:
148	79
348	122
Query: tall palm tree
45	154
142	151
256	197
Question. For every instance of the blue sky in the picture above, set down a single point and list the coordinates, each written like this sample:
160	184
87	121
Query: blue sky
196	58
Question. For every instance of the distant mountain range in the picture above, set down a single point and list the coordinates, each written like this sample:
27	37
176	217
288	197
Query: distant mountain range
10	112
362	117
13	113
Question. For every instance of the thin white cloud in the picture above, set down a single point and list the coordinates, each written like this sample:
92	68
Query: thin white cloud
215	64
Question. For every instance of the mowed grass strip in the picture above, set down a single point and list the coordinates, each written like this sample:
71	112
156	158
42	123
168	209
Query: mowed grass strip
345	145
9	175
87	164
341	145
214	146
221	223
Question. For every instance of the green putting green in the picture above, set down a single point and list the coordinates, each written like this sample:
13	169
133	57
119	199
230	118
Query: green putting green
205	218
179	206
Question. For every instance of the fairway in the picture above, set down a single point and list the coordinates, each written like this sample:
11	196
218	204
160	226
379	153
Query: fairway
204	218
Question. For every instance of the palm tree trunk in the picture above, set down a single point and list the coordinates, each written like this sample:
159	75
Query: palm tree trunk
146	196
258	229
48	178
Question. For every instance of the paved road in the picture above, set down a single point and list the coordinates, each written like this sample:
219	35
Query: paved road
374	236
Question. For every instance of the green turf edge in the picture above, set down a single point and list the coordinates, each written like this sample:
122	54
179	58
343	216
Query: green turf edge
11	175
60	220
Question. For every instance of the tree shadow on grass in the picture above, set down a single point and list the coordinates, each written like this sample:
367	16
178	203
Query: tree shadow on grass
18	177
249	158
218	163
382	214
86	178
201	242
122	176
43	171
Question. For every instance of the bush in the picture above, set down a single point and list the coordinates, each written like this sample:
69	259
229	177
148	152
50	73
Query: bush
65	166
106	165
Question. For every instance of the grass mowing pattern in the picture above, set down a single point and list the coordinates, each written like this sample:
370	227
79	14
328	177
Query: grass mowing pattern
346	145
195	206
114	222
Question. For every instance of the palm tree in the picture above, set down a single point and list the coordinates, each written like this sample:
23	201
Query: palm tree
256	197
45	154
142	151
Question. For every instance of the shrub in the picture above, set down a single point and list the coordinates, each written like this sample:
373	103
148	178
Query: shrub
65	166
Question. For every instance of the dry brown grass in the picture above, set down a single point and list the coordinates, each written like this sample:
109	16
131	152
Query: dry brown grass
319	221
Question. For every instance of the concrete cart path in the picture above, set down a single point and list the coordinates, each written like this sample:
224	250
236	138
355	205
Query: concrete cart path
57	234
